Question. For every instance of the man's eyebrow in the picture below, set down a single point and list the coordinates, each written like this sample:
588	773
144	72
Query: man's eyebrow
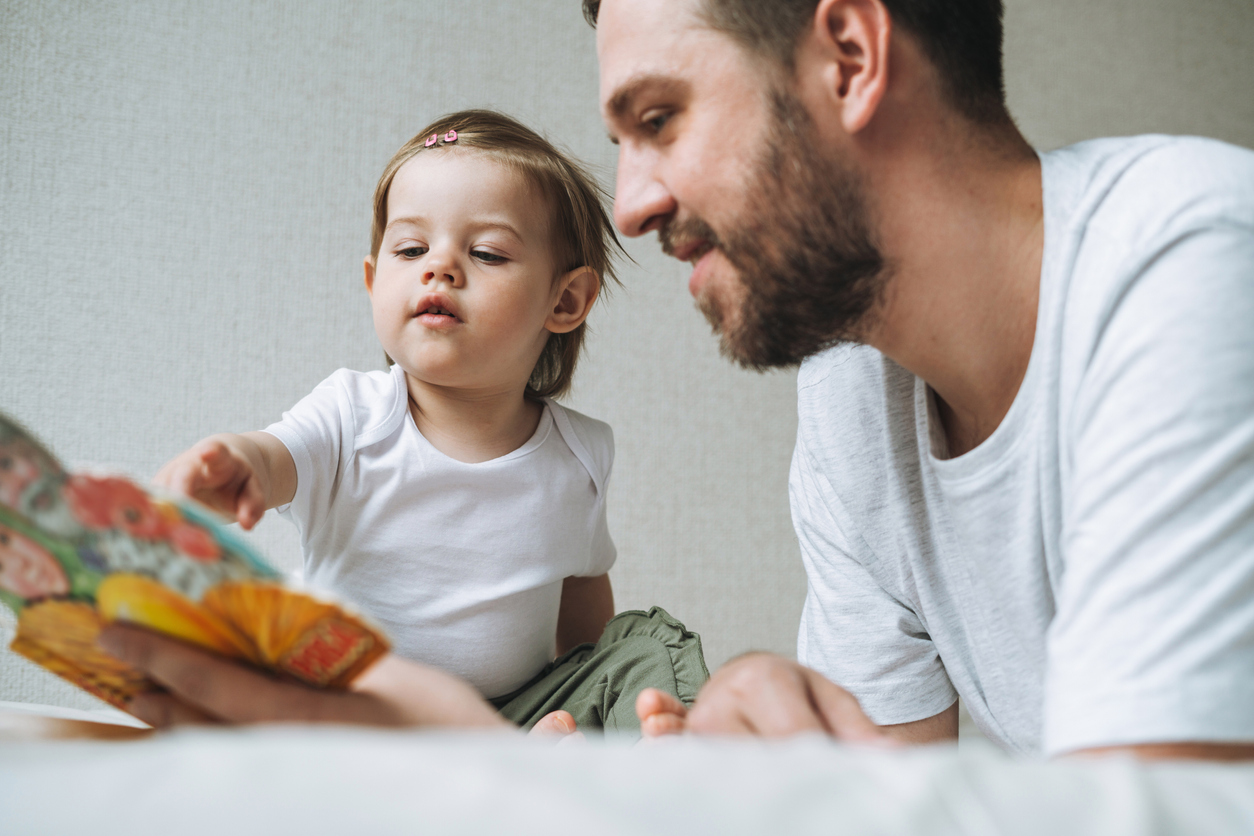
620	104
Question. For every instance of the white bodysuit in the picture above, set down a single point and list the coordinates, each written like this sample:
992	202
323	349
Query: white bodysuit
462	564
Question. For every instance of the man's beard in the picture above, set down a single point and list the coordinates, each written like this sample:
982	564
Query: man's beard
804	254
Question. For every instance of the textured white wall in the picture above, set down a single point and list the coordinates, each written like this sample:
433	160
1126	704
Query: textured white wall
184	204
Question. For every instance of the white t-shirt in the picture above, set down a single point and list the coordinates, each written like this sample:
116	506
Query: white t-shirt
1084	577
462	564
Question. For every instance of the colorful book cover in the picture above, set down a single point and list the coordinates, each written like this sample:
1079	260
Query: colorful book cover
78	551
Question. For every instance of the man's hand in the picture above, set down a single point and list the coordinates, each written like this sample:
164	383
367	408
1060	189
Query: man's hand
207	688
764	695
774	697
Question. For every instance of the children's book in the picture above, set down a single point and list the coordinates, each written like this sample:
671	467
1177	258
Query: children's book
79	550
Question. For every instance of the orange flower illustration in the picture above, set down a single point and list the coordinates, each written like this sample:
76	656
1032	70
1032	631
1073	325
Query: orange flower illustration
109	502
194	542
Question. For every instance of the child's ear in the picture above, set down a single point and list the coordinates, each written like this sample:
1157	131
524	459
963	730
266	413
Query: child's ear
369	266
575	293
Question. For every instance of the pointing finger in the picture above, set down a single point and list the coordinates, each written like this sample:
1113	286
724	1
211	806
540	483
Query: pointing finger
251	503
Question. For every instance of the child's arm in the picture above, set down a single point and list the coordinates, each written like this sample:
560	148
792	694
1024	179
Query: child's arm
587	605
240	475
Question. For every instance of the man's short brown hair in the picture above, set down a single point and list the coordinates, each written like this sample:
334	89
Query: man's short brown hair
962	38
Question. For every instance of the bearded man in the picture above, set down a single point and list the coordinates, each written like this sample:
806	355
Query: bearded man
1024	471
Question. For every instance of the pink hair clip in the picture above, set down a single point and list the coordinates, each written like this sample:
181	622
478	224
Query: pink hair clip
431	140
451	136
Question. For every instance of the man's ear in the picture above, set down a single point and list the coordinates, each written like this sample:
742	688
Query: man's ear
369	267
573	297
853	38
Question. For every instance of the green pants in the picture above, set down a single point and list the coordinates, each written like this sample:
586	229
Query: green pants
598	683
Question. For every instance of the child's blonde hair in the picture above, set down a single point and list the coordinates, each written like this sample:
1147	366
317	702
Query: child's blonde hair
582	233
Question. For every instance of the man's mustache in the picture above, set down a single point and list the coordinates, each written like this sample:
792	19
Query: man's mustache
678	233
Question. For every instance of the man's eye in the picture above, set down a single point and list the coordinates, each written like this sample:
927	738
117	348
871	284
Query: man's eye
411	252
487	257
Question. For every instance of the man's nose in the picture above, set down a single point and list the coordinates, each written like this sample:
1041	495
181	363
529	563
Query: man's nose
642	202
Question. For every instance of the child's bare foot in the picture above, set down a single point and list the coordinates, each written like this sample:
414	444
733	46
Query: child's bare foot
558	724
660	713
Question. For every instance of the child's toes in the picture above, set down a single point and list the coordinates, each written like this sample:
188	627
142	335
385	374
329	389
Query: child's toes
662	725
651	701
554	724
575	738
660	713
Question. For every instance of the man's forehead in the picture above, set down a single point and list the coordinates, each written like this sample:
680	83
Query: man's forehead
639	39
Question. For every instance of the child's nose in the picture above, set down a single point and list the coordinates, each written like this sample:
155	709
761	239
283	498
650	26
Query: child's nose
442	269
441	275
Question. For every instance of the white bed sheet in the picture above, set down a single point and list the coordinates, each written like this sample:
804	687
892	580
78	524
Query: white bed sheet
293	779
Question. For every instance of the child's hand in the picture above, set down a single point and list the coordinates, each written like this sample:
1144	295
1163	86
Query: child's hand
221	472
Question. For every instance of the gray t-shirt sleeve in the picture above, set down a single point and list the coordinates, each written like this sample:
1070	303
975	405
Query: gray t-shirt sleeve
1153	640
853	631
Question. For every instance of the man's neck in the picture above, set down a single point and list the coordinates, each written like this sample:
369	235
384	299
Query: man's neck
961	227
472	425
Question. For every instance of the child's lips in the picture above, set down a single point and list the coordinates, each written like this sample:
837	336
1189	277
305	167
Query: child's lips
437	320
436	311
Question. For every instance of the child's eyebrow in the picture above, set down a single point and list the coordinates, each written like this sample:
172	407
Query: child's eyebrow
407	221
500	225
503	226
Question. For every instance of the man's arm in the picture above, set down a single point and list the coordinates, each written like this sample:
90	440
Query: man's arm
767	695
207	688
1179	751
1151	649
935	729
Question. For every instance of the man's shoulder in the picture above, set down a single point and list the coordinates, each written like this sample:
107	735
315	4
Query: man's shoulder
854	405
1137	189
845	377
1116	206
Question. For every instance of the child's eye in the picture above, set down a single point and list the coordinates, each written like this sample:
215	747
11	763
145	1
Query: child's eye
487	257
657	121
411	252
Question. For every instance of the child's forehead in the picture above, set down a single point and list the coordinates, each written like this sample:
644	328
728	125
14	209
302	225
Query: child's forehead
452	177
467	189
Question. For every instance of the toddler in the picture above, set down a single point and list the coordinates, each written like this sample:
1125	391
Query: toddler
452	498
